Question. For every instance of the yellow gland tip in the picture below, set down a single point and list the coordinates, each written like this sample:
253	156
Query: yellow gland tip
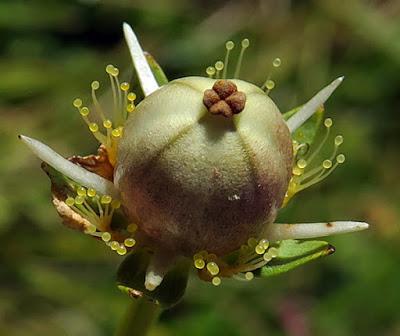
328	122
259	249
121	250
269	84
91	192
114	72
116	204
210	71
132	228
276	62
219	65
116	132
131	96
77	102
79	200
107	123
252	242
338	140
130	108
106	236
106	199
124	86
84	111
267	256
249	276
91	229
245	43
129	242
229	45
114	245
93	127
212	268
302	163
81	191
109	69
327	164
340	158
70	201
273	251
216	281
95	85
199	263
264	243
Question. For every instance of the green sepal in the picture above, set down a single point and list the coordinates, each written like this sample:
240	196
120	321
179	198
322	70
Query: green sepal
306	132
158	72
294	253
131	277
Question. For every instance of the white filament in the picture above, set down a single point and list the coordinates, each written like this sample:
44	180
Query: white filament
309	108
147	80
78	174
277	232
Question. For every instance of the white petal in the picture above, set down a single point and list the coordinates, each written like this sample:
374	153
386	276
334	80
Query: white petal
309	108
147	80
277	232
67	168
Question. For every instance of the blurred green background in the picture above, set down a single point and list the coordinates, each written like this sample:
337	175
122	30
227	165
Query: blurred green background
56	281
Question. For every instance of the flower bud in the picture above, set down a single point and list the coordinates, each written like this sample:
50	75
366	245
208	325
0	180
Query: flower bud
196	181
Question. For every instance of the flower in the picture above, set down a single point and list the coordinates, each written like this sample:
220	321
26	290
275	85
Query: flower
194	175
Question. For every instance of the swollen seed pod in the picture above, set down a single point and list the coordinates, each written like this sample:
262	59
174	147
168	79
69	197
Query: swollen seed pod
193	180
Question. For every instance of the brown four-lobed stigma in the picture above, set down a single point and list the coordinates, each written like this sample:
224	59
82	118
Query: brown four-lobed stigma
224	98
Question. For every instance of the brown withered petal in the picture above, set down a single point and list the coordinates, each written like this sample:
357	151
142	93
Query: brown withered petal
70	218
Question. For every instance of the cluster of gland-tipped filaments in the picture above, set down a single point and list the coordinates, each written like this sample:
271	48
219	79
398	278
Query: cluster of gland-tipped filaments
98	210
252	256
224	99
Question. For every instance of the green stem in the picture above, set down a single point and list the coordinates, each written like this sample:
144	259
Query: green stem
139	317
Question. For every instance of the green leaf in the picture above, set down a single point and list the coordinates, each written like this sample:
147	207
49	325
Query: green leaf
307	132
158	72
292	254
131	276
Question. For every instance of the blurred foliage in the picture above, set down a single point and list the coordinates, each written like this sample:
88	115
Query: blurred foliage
55	281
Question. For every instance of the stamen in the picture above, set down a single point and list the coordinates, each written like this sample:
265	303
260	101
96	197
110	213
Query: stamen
229	46
269	84
210	71
219	65
245	44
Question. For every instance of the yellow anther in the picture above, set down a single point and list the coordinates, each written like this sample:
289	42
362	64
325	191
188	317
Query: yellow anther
79	200
273	252
70	201
121	250
91	192
245	43
77	102
219	65
213	268
327	164
107	123
297	171
249	276
210	71
91	229
114	72
93	127
302	163
81	191
264	243
199	263
84	111
197	256
338	140
229	45
124	86
269	84
95	85
216	281
116	204
328	122
277	62
259	249
129	242
252	242
131	96
106	236
114	245
116	132
130	108
106	199
340	158
109	68
132	228
267	256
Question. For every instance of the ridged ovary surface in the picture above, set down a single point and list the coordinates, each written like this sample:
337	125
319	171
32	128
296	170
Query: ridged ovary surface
194	181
